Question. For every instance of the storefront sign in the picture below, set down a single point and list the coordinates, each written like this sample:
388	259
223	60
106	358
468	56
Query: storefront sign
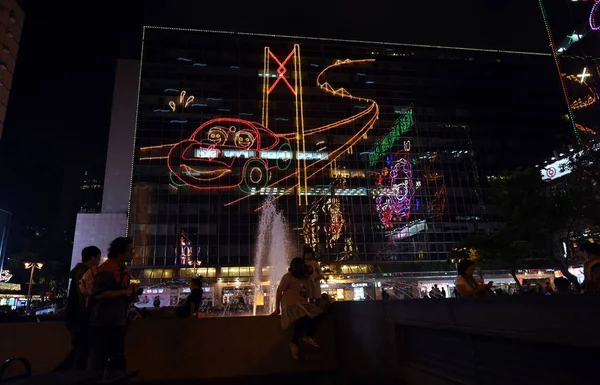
4	286
359	285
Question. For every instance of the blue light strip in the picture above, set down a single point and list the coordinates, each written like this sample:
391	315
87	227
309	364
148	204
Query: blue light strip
216	99
199	105
224	109
161	110
234	67
178	121
246	113
282	119
171	90
184	59
199	65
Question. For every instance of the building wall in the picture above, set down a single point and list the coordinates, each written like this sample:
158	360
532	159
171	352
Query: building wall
117	177
11	25
97	230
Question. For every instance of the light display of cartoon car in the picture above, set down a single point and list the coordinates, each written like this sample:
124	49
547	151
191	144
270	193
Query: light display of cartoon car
208	159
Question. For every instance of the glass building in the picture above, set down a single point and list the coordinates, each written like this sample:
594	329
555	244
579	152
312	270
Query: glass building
376	153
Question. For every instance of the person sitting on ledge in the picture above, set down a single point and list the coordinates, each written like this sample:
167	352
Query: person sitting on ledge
292	299
466	285
192	303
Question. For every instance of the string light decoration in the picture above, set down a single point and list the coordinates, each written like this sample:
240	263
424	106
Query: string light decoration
325	217
437	205
197	161
185	248
584	75
590	97
399	128
182	101
188	169
557	64
392	203
333	208
372	112
592	19
585	130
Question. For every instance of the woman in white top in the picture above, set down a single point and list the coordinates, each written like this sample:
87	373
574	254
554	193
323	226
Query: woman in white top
465	283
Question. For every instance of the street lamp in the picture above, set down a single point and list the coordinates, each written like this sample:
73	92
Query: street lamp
194	263
32	266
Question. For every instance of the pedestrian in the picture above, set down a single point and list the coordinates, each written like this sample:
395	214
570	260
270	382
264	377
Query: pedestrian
443	293
77	313
292	300
110	303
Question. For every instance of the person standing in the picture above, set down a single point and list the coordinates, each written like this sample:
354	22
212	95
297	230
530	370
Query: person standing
444	295
110	302
292	300
77	316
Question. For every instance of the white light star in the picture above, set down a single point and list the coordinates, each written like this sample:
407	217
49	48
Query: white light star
583	75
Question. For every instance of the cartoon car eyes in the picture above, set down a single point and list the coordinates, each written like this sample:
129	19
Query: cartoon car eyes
218	135
244	139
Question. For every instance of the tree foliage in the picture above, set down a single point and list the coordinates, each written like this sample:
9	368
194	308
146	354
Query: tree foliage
545	217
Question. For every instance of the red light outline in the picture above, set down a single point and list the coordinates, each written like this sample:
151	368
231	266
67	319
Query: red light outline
281	71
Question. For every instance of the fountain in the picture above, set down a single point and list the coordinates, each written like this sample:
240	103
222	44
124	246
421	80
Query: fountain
273	248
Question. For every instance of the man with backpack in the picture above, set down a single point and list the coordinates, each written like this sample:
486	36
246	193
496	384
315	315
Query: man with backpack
77	314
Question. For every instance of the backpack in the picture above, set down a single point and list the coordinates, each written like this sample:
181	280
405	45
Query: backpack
86	284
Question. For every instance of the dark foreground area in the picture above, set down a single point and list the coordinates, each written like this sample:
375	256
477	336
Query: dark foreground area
496	340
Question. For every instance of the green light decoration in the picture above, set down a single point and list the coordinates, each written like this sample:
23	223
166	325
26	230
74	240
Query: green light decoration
399	128
557	64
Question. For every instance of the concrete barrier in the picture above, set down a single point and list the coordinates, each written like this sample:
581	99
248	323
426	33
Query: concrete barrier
525	339
190	349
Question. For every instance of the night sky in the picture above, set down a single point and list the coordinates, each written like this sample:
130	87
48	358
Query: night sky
59	108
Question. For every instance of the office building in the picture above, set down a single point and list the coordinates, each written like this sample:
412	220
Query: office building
374	152
11	25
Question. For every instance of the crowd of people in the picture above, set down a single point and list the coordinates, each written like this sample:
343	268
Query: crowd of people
99	304
468	286
101	296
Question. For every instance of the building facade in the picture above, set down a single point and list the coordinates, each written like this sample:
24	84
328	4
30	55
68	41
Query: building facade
11	25
373	152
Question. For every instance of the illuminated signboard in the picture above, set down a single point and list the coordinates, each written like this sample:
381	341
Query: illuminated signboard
4	286
561	167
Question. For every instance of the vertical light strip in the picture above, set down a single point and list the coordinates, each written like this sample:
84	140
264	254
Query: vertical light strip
299	95
265	105
299	136
560	77
135	127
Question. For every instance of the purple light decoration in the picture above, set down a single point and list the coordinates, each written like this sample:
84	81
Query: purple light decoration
394	202
593	15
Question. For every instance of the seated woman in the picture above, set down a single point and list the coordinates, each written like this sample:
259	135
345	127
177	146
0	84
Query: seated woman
466	284
292	299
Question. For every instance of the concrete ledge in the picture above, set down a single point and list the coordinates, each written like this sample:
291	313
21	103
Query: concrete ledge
177	350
